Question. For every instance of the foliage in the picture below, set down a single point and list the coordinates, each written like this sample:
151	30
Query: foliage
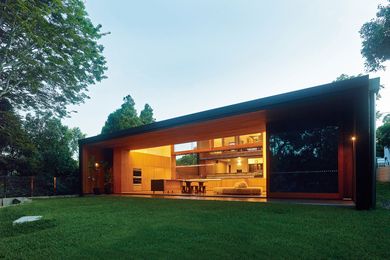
17	152
146	115
346	76
188	159
126	117
48	54
383	136
386	118
376	39
56	144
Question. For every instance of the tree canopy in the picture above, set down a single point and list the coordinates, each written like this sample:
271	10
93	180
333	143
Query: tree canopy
376	39
346	76
146	115
383	136
55	142
37	145
49	54
126	116
17	151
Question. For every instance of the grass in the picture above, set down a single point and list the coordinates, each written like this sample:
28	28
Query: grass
122	227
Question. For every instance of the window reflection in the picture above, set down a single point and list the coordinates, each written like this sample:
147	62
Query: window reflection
304	160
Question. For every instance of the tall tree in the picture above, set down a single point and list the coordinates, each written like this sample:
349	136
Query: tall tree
376	39
122	118
55	143
383	136
49	54
146	115
126	116
18	154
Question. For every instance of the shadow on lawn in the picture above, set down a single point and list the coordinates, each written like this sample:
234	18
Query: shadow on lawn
10	230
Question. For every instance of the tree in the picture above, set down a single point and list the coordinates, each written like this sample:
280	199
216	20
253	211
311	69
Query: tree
55	143
75	135
122	118
48	54
376	39
386	119
383	136
146	115
346	76
17	152
126	117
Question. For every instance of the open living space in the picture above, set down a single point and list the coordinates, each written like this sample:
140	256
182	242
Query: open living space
315	143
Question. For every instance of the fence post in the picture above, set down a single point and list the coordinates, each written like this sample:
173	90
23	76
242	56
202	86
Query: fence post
55	185
32	185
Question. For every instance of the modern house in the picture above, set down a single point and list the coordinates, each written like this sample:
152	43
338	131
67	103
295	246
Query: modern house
315	143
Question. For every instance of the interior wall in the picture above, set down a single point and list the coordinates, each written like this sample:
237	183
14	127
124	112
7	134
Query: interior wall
187	172
155	163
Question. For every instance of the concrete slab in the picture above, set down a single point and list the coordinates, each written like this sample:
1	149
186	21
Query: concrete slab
26	219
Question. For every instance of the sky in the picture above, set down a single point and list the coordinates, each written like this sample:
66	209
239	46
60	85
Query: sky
183	57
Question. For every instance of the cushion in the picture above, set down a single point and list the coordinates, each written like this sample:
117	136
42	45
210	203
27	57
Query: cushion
240	185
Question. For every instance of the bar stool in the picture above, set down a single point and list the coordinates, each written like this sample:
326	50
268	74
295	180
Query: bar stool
195	188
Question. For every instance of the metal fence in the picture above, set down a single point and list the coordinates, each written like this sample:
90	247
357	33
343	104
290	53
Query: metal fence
30	186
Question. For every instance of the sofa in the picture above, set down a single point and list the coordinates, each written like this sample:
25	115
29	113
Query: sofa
239	188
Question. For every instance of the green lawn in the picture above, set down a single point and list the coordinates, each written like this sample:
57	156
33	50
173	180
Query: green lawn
118	227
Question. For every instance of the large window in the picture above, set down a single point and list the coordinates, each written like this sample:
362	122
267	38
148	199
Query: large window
304	159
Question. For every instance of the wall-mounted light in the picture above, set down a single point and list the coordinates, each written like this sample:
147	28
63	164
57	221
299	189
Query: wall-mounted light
96	165
353	138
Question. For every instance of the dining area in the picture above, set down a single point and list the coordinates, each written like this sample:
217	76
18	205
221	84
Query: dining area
182	186
194	186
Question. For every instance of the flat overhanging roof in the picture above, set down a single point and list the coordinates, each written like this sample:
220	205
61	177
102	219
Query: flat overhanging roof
266	103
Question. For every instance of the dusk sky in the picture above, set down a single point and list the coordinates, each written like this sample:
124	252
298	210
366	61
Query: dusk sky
183	57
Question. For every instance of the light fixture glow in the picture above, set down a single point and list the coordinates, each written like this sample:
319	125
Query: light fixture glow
353	138
96	165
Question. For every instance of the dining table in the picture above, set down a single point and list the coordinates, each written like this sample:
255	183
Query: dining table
200	188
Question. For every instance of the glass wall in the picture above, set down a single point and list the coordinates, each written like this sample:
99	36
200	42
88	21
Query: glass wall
239	155
304	159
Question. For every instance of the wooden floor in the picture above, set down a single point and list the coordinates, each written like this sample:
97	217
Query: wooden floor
343	203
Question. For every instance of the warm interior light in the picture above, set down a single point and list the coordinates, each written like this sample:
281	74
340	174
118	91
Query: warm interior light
353	138
239	161
96	165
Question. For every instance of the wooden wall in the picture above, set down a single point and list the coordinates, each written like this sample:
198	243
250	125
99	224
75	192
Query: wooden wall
90	156
152	166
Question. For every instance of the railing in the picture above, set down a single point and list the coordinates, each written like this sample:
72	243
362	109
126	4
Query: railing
30	186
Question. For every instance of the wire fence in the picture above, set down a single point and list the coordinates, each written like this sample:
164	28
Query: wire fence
30	186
